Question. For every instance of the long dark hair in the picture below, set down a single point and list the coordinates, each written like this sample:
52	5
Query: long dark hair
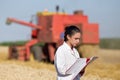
71	30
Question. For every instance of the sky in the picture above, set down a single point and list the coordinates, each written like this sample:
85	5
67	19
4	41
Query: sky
104	12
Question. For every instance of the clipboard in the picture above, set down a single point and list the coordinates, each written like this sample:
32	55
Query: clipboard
79	64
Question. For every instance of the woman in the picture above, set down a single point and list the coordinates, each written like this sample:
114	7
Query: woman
66	54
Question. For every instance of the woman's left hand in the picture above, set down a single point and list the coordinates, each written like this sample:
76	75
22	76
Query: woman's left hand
82	72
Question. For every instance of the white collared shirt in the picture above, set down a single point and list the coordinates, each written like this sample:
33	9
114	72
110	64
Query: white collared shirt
64	58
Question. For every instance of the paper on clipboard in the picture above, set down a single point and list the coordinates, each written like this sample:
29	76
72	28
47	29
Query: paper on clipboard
79	65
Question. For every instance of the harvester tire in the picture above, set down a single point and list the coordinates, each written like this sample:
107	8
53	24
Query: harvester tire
37	52
13	52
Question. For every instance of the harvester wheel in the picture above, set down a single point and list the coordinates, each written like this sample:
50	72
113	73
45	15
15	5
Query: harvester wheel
13	52
37	52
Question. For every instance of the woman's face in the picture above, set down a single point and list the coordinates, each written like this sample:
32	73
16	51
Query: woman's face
74	40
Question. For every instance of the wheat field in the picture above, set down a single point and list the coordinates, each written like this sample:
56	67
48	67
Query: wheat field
106	67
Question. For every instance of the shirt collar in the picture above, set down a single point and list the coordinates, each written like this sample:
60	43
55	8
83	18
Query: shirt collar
66	45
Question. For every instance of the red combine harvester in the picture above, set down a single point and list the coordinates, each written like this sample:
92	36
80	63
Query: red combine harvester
48	29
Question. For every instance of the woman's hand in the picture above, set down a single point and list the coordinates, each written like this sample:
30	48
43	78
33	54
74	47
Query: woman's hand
82	72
